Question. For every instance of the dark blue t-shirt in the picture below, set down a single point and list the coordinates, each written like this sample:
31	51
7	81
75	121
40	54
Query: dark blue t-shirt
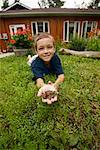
40	69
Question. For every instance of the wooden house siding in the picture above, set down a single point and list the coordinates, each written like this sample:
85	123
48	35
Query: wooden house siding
56	24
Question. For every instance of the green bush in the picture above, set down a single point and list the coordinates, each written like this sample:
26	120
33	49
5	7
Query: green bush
77	44
59	44
93	44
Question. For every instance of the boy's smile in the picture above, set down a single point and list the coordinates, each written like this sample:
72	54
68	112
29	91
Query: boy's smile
45	49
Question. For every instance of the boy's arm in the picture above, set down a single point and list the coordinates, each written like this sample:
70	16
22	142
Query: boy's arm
59	80
40	82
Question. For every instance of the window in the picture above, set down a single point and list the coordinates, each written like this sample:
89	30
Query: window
87	26
94	24
66	31
71	29
0	36
83	29
77	28
40	26
4	36
14	28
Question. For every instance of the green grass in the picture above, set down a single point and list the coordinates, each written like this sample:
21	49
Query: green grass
72	123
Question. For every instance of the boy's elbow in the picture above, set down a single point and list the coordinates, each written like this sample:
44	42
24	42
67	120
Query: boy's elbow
62	77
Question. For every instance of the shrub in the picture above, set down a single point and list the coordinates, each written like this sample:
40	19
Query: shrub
59	44
22	39
77	44
93	44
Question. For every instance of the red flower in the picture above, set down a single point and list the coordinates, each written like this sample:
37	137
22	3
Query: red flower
22	39
28	31
30	38
24	32
12	41
93	33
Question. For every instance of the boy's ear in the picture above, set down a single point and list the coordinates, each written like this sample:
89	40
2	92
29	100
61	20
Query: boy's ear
36	52
54	49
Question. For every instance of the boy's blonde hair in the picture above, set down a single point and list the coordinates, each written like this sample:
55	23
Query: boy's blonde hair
42	36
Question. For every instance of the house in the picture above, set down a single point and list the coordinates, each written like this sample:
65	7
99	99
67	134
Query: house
62	23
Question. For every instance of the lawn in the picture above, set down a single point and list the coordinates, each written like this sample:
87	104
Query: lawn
72	123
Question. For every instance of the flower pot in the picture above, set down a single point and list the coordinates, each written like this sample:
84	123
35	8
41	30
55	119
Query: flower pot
20	52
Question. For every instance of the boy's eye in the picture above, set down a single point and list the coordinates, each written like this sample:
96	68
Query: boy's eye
41	48
49	46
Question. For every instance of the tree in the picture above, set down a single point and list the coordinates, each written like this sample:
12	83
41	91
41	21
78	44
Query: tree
95	4
56	3
17	1
51	3
5	4
43	4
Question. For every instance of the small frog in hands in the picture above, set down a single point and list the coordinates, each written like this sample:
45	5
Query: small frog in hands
48	93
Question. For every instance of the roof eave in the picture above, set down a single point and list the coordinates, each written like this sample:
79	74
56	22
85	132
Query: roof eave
25	14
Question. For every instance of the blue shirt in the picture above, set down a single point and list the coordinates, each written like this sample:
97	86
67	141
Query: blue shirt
40	69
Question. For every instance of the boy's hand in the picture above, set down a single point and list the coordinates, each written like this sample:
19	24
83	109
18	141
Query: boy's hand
48	93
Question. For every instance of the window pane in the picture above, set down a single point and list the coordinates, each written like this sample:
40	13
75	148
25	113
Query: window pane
77	27
94	24
19	28
83	32
89	26
40	26
71	30
65	31
46	27
34	28
13	31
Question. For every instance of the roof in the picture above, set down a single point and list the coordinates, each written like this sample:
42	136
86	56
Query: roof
16	5
50	12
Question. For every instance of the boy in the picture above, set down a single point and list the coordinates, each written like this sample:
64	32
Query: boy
46	61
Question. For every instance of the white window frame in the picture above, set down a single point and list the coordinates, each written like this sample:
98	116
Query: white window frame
93	23
4	36
0	36
84	34
74	31
15	26
67	34
75	23
37	26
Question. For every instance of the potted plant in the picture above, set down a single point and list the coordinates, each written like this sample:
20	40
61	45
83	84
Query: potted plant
21	42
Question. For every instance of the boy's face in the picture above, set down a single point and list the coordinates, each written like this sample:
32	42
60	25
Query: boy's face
45	49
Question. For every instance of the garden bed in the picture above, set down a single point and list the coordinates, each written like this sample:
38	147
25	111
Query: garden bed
92	54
